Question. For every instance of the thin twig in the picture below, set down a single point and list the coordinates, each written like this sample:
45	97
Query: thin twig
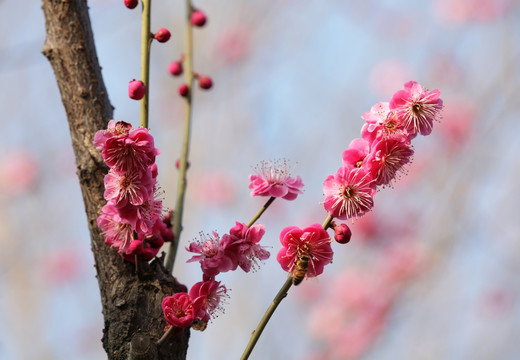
261	211
183	163
146	41
265	319
282	293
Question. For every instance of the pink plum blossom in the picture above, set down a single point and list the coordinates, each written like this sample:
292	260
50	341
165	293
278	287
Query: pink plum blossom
118	231
131	220
135	152
312	241
349	193
381	122
416	107
355	154
139	247
387	157
144	216
216	254
179	310
249	249
273	179
210	294
114	129
126	188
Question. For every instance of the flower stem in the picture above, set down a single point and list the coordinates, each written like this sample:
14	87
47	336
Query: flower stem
183	163
327	222
261	211
282	293
274	304
146	41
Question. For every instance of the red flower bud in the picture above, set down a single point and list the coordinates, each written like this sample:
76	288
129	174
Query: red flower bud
175	68
205	82
342	233
184	90
162	35
131	4
198	18
136	89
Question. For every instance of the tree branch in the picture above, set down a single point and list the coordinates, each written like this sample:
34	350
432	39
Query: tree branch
130	306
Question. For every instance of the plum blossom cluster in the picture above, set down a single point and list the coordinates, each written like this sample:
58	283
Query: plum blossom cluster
131	220
380	155
203	301
239	248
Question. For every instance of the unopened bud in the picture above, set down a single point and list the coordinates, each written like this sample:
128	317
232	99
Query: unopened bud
136	89
342	233
183	90
205	82
175	68
131	4
162	35
198	18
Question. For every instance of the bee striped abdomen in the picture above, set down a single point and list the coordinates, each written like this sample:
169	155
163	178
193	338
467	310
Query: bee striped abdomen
300	269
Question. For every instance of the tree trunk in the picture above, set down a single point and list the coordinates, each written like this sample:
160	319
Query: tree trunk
131	305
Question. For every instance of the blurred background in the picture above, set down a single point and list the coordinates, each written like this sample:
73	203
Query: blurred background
430	273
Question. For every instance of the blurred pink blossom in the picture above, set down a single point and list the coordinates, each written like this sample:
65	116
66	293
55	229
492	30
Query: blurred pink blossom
61	266
19	171
232	44
457	121
458	12
497	301
401	261
352	314
214	188
387	76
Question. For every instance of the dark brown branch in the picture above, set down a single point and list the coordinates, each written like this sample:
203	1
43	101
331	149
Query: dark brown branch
131	306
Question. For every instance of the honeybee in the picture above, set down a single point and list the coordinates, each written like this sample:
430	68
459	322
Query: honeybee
300	269
199	325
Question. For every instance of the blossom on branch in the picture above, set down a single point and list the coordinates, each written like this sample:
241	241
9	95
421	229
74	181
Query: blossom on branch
274	179
131	220
247	240
216	254
210	295
312	242
349	193
179	309
417	107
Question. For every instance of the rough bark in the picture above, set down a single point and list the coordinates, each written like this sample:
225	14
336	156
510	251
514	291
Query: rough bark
131	305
